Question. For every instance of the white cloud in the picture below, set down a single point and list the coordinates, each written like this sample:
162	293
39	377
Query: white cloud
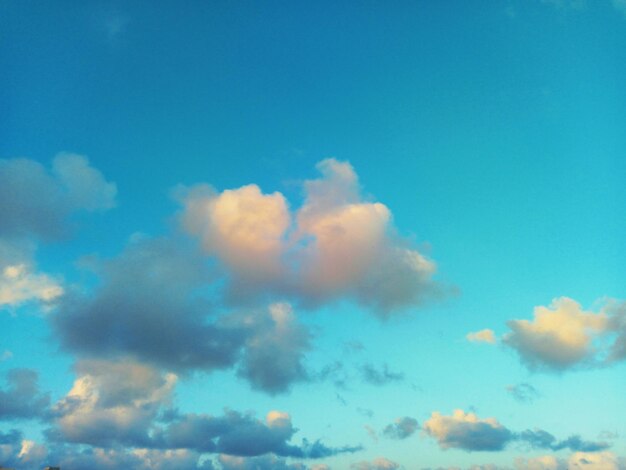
544	462
560	336
482	336
19	285
466	431
335	245
593	461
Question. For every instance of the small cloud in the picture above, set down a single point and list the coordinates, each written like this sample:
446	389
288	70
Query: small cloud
5	355
371	432
482	336
401	428
523	392
383	376
379	463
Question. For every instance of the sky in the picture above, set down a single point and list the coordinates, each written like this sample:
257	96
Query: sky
313	235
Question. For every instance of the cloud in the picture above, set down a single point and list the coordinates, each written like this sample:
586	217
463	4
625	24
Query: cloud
379	463
544	462
266	462
37	202
593	461
563	336
523	392
401	428
111	403
22	399
162	318
540	439
19	285
383	376
5	355
468	432
274	353
336	245
482	336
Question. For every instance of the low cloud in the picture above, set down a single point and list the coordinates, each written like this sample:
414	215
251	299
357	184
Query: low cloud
35	201
563	336
18	284
523	392
401	428
161	318
22	399
468	432
379	376
379	463
325	250
482	336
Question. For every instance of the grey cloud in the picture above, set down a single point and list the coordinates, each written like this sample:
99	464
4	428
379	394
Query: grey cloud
150	307
541	439
401	428
22	399
523	392
36	201
382	376
266	462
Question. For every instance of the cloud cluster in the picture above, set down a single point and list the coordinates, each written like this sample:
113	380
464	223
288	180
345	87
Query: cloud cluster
124	404
335	245
22	399
468	432
150	307
36	204
563	335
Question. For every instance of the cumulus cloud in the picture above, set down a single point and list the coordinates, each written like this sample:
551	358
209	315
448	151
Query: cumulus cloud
593	461
18	284
543	462
266	462
273	354
466	431
379	463
401	428
335	245
523	392
379	376
150	307
482	336
564	335
22	399
35	201
111	403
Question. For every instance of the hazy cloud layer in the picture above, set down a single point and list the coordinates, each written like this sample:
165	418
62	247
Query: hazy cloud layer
326	249
22	399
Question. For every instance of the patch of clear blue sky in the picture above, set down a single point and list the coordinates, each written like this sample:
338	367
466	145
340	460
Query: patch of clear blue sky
494	132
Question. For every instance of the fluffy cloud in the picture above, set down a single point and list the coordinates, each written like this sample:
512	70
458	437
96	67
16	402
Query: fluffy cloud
18	285
482	336
327	249
544	440
544	462
36	201
150	307
401	428
559	337
111	403
266	462
466	431
22	399
379	463
593	461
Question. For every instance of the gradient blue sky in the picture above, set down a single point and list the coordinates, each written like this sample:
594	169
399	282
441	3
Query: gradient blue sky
494	133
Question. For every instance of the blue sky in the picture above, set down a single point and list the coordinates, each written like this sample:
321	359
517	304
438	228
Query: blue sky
226	227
